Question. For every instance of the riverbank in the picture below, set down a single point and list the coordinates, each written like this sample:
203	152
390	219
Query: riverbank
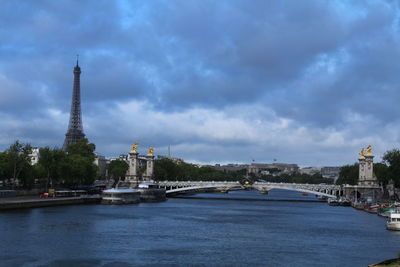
35	202
387	263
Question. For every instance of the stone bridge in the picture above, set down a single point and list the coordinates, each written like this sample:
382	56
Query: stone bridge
184	187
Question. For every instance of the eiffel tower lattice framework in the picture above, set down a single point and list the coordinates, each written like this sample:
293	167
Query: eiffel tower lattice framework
75	128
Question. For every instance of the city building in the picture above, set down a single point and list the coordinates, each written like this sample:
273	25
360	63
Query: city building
272	169
34	156
330	172
229	167
310	170
101	162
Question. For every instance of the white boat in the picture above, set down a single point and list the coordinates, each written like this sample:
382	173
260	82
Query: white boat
393	222
120	196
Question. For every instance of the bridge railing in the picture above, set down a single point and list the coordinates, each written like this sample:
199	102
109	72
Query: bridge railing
187	183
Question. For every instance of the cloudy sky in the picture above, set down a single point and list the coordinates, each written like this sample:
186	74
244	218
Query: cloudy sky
306	82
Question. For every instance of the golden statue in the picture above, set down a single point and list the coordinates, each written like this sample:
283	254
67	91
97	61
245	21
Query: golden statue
368	150
362	155
151	151
134	147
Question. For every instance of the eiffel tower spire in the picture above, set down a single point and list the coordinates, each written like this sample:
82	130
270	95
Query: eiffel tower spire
75	128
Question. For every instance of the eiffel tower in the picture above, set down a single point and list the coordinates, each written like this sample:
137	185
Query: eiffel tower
75	128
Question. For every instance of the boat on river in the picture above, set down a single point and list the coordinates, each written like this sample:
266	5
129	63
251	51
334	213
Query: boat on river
344	202
120	196
373	208
333	202
151	192
386	209
393	222
338	202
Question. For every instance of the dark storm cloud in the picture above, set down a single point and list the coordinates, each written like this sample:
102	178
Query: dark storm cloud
250	52
326	66
241	52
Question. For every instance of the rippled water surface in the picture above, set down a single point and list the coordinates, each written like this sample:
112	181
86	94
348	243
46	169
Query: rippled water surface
197	232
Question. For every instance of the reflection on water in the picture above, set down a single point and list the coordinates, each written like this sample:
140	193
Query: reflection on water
197	232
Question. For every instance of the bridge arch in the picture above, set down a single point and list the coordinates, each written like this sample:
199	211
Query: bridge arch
318	193
194	188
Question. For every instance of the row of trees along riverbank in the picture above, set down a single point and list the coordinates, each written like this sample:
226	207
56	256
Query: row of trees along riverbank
55	167
166	169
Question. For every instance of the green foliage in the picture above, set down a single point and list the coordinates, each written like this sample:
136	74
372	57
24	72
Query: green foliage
51	160
82	148
78	167
117	169
55	166
81	170
39	172
298	178
18	158
166	169
392	159
348	174
3	166
26	177
381	173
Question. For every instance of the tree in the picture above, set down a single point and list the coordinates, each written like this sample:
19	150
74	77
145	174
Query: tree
26	178
82	170
78	168
300	178
118	168
166	169
392	159
18	158
381	173
82	148
3	166
50	160
348	174
39	172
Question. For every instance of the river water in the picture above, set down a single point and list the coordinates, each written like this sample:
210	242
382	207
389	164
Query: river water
197	232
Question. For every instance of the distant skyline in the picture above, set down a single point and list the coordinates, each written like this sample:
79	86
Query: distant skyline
305	82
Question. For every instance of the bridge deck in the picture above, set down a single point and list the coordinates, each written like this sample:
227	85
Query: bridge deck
190	186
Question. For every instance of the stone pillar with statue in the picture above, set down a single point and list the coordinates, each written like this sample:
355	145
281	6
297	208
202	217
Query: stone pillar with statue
361	167
366	175
149	165
367	188
132	175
